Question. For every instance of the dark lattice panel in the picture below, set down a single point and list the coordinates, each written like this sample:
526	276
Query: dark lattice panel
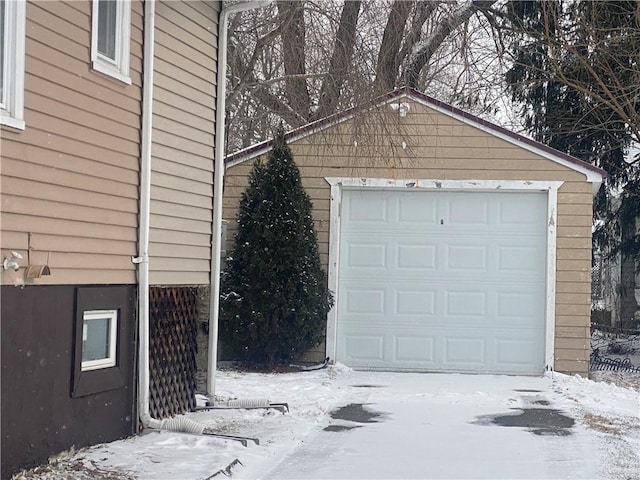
172	350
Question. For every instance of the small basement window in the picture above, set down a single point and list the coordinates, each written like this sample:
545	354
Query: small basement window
99	339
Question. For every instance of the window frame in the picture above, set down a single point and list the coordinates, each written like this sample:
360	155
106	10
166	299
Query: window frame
107	297
118	68
111	359
12	105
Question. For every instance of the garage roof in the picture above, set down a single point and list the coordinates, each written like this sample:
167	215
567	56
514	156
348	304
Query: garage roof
593	174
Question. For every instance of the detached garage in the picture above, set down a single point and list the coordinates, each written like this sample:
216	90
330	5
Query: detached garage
451	244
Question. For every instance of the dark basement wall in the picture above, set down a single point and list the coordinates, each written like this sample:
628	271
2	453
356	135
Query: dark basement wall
47	404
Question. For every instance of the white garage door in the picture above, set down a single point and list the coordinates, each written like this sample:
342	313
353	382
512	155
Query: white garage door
442	281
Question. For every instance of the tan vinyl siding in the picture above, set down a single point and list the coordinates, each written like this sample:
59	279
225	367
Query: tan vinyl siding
70	179
183	142
441	147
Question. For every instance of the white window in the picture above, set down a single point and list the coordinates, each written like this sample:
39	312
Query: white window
99	339
12	33
111	38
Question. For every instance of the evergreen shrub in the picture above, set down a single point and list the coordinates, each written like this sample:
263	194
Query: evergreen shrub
274	294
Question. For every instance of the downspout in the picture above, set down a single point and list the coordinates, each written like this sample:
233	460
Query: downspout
218	183
180	423
145	206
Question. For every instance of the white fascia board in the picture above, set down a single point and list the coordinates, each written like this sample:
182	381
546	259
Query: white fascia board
450	185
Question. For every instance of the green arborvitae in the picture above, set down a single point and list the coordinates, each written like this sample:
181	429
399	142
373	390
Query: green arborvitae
274	296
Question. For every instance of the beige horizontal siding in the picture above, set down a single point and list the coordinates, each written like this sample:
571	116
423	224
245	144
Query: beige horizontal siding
180	211
183	141
186	146
572	366
572	333
100	217
440	147
161	222
573	343
173	237
70	179
35	162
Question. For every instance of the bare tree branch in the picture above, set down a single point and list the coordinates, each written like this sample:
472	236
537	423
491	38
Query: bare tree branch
300	60
423	51
246	68
277	106
424	10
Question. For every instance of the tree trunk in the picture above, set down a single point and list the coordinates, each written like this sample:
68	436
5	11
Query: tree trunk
628	303
388	61
342	53
291	14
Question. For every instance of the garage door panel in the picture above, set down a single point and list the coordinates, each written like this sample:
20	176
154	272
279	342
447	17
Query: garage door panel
513	213
363	209
464	352
523	352
366	255
452	352
467	257
518	307
463	210
442	281
415	256
365	301
362	349
415	302
414	349
466	304
459	254
415	209
378	349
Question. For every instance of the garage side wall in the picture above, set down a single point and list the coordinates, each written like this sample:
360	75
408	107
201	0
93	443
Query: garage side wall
426	144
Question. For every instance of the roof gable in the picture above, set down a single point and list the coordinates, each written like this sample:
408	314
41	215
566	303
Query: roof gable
592	173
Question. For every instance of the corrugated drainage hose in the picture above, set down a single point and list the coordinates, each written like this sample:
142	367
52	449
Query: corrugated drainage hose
244	403
182	425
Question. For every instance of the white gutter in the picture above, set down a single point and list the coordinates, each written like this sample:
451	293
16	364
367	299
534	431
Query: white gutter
218	183
145	206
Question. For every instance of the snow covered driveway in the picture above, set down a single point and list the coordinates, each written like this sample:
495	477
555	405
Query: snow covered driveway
346	424
449	426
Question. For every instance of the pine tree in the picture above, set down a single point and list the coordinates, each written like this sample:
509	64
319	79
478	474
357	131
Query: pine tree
274	295
575	72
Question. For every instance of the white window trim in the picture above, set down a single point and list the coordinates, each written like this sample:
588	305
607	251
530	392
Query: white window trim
12	112
110	361
338	184
120	68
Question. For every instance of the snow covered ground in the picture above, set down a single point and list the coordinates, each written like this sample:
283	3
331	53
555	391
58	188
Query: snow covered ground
399	425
